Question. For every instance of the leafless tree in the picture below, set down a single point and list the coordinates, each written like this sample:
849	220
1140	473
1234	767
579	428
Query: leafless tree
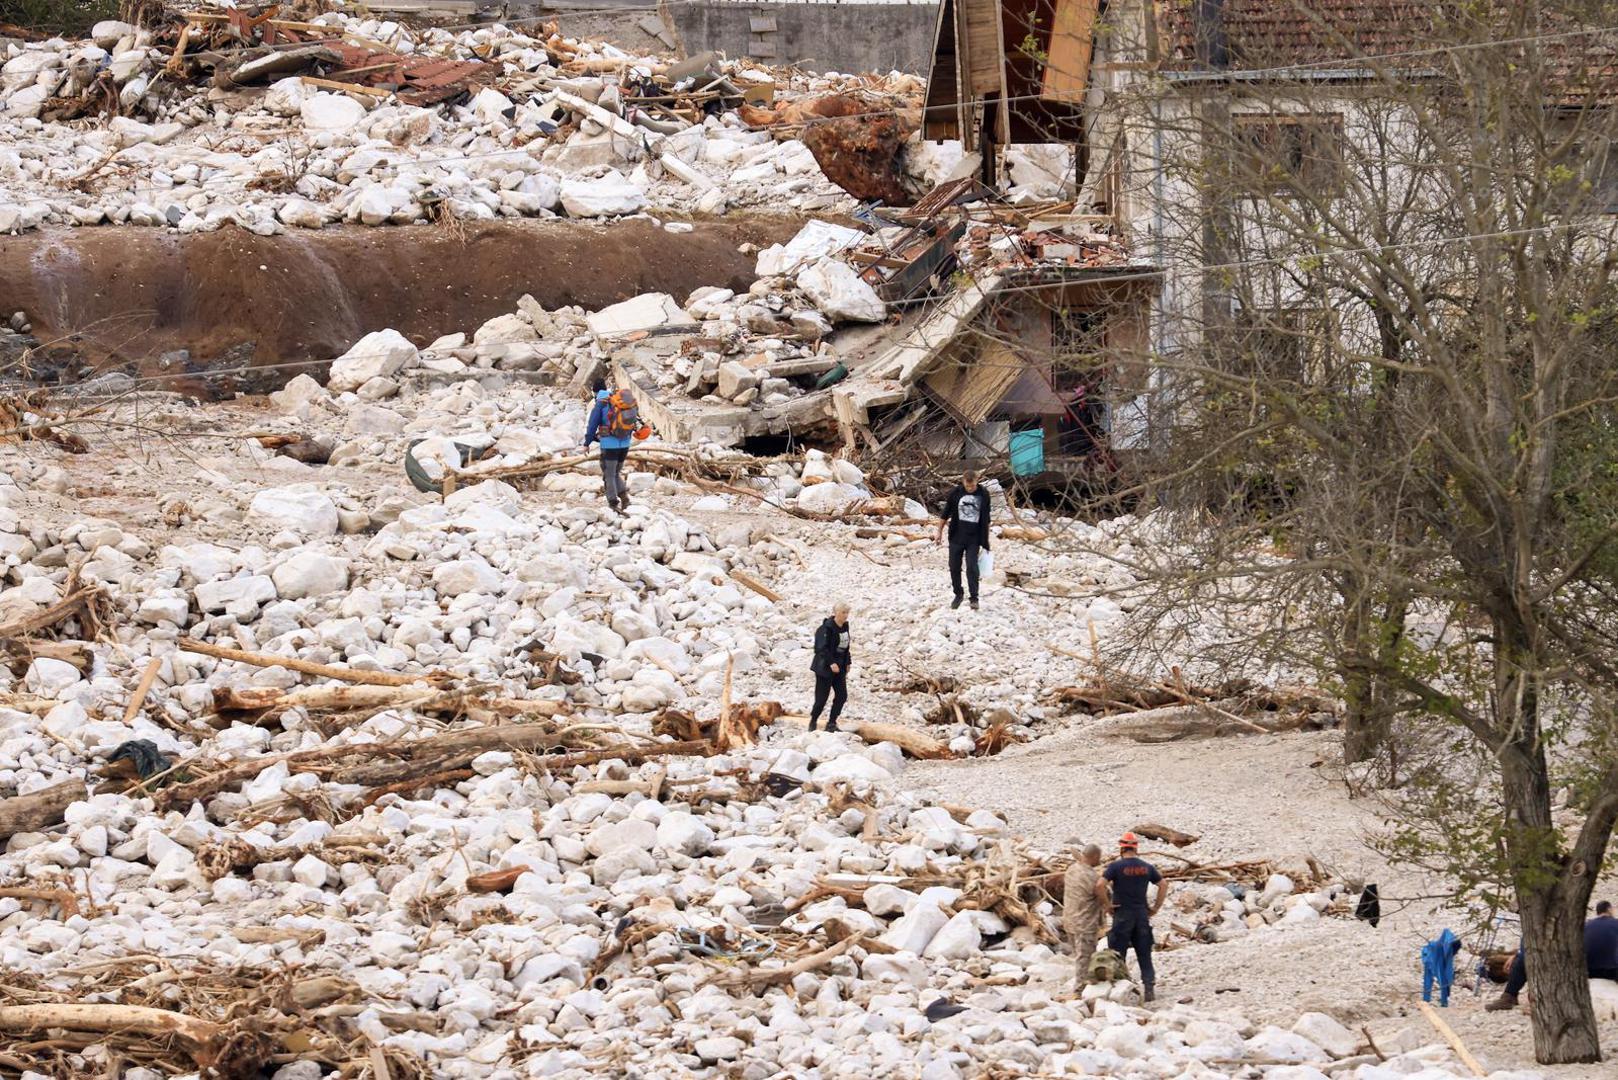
1387	425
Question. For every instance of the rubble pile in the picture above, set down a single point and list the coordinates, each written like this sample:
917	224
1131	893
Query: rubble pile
492	783
214	116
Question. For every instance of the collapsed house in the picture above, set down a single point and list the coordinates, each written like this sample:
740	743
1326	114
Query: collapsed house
987	331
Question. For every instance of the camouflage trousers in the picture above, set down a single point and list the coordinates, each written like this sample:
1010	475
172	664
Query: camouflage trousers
1083	934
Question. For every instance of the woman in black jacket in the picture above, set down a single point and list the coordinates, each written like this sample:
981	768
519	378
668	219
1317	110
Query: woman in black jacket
831	666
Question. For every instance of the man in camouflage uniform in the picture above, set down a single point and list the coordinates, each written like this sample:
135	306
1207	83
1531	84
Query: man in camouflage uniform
1084	899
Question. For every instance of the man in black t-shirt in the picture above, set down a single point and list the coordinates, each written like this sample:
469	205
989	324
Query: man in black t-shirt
1130	876
966	519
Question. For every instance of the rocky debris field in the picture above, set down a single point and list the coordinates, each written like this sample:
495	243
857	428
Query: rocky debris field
448	786
119	129
550	135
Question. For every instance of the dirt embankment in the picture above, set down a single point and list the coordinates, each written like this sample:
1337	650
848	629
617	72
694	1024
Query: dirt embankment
118	298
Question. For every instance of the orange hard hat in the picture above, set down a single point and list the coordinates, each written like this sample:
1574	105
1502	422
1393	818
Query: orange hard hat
1129	842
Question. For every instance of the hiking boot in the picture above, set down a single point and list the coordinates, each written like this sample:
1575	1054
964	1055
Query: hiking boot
1148	993
955	603
831	725
812	725
974	603
623	504
1502	1003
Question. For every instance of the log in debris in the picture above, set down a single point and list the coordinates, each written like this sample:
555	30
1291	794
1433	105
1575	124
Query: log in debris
26	650
236	703
915	743
1165	834
756	978
225	1052
39	809
89	605
1205	721
395	763
306	667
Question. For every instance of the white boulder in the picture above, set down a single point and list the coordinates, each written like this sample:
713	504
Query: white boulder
840	293
384	352
302	511
310	573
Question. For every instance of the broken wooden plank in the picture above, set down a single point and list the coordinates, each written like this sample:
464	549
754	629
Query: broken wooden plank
1453	1039
344	87
747	581
138	698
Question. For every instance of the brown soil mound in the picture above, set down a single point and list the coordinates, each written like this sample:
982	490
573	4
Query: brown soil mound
111	297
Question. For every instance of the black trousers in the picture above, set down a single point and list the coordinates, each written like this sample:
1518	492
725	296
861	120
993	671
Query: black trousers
833	686
1517	977
1133	930
963	550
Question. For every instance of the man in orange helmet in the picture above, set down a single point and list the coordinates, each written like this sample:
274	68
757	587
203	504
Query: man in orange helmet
1130	877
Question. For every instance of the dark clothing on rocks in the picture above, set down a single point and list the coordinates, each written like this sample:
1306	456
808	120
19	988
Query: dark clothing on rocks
831	647
967	514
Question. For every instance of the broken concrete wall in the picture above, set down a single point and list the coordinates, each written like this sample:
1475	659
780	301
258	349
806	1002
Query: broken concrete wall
858	37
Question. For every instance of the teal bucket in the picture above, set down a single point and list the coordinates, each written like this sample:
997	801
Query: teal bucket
1027	452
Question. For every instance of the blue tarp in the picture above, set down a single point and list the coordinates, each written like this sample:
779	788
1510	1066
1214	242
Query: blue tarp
1027	452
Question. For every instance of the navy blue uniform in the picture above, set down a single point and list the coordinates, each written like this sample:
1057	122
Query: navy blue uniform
1601	947
1131	917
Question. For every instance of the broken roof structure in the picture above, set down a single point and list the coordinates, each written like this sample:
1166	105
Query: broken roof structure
981	296
1010	71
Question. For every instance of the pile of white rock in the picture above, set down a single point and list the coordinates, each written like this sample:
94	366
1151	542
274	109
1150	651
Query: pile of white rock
331	568
294	155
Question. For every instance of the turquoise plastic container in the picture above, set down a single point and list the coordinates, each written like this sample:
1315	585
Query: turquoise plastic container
1027	452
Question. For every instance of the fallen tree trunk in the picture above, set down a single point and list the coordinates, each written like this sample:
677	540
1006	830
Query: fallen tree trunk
69	652
222	1052
917	744
88	602
257	700
418	758
39	809
110	1019
307	667
1165	834
754	978
1206	721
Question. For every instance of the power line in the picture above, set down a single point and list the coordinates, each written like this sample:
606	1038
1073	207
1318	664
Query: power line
923	110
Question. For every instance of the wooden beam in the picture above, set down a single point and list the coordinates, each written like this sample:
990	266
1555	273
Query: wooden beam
1450	1037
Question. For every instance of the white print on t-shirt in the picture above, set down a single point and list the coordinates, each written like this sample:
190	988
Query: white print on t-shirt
842	641
967	510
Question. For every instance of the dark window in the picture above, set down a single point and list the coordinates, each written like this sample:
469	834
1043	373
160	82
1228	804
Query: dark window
1078	339
1280	343
1278	154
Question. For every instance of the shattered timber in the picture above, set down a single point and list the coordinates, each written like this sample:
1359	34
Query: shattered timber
346	732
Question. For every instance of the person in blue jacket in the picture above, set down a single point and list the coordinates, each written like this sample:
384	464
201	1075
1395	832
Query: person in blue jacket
614	450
